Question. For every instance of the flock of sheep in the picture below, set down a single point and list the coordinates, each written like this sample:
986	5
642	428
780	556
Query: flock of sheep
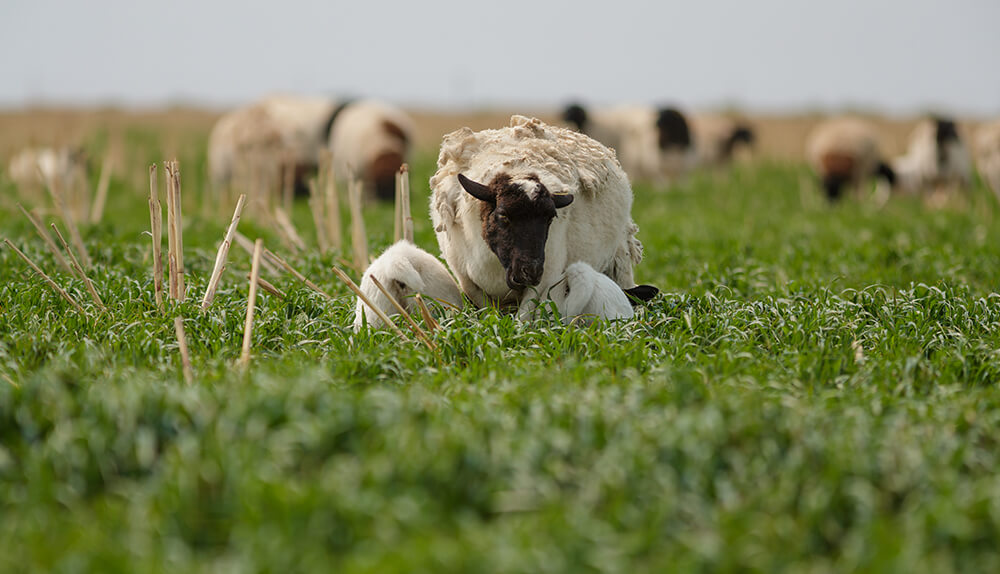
535	212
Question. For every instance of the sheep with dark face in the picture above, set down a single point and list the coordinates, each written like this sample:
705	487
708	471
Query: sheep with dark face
652	144
845	152
513	208
371	140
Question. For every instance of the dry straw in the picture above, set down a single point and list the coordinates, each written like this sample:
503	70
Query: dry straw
103	183
258	247
47	239
409	320
359	239
79	270
156	228
47	279
357	291
295	273
223	254
183	347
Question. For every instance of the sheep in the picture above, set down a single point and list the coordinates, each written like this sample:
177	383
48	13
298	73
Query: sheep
552	197
367	139
936	157
718	138
652	144
845	151
31	168
286	130
372	140
403	269
584	295
988	154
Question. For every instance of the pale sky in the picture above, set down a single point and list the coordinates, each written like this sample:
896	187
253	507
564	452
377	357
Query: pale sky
897	56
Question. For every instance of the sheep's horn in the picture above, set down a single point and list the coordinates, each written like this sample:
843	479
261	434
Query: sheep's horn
477	190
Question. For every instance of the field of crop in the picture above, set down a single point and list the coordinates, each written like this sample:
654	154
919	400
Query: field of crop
815	390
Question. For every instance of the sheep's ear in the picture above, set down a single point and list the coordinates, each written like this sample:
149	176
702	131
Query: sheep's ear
562	199
477	190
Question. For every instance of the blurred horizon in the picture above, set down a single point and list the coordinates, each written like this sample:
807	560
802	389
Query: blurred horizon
891	56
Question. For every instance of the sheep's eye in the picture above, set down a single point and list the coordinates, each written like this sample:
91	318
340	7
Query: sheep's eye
501	218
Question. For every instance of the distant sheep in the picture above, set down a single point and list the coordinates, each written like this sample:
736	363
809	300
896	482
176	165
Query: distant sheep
584	295
845	152
33	167
718	138
514	207
988	154
936	157
286	131
372	140
404	270
366	138
652	144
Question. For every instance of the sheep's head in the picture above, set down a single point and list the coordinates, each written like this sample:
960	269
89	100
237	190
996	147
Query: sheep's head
516	218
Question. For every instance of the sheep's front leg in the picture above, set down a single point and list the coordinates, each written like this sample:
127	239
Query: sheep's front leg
471	290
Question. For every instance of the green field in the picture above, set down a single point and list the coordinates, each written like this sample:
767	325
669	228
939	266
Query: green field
815	390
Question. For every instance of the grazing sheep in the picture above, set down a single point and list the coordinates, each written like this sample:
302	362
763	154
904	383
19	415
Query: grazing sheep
988	154
845	152
584	295
652	144
404	270
936	157
551	197
719	138
31	168
371	139
284	130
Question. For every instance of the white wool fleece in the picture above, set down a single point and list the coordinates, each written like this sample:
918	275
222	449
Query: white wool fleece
584	295
596	228
404	270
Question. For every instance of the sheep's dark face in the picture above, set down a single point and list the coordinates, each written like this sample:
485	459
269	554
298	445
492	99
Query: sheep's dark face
516	218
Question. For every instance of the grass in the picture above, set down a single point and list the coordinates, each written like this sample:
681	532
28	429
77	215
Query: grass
816	390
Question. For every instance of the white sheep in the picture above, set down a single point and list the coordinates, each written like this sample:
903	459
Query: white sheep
988	154
936	157
584	295
31	168
371	139
404	270
719	138
845	152
652	144
551	197
286	131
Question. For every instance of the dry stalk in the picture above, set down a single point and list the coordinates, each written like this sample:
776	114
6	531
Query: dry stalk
426	313
359	240
267	286
67	216
333	211
397	213
267	263
409	320
319	219
103	183
156	228
47	279
220	258
182	345
47	239
79	270
258	247
285	222
171	234
179	231
296	274
357	291
404	196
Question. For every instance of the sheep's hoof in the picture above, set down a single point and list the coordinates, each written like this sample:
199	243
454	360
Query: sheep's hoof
641	294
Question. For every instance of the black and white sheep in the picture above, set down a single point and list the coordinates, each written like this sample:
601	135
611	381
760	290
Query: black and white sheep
371	140
845	152
514	207
366	138
719	138
404	270
936	158
652	144
988	154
